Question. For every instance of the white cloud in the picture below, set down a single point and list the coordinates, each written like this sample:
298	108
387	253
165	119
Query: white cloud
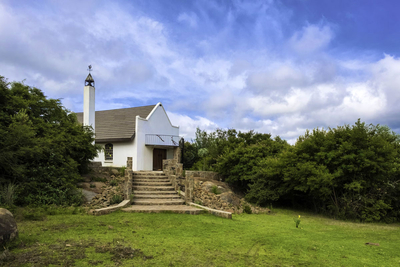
295	100
188	125
279	77
310	39
190	19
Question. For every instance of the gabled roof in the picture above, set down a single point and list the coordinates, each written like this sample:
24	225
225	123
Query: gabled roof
117	125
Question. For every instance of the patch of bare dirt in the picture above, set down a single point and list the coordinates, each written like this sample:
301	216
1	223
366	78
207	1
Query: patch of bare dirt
66	252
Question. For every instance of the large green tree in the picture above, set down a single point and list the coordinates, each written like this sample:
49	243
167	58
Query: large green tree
43	149
348	171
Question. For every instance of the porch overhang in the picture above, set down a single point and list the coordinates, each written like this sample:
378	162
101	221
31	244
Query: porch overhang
162	140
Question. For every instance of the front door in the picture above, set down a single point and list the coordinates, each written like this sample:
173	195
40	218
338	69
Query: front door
158	156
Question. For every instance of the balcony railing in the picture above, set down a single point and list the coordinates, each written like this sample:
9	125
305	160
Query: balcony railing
162	140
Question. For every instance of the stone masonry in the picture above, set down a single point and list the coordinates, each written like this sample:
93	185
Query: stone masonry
128	179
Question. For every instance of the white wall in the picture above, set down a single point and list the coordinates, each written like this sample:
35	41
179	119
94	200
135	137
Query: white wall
121	151
156	123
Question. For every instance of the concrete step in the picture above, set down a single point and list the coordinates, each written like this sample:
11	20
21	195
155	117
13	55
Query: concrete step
152	183
183	209
169	196
152	174
149	177
158	202
150	180
152	188
154	192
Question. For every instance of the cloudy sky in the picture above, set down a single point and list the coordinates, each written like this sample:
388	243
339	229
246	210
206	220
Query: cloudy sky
274	66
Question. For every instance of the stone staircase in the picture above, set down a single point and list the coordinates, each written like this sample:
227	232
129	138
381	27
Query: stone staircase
154	188
153	193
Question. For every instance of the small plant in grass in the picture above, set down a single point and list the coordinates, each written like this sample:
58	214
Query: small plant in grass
7	193
215	190
33	215
113	182
247	209
116	199
92	186
297	221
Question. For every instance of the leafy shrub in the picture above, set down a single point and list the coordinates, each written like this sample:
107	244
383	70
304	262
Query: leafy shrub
350	172
247	209
113	182
98	179
43	147
116	199
33	214
92	186
8	194
122	171
215	190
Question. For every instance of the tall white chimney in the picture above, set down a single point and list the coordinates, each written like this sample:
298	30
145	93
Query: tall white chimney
88	103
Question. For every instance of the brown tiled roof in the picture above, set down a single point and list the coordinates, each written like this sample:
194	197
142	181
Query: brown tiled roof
117	125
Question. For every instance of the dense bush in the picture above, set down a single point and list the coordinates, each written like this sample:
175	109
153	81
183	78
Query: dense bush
238	163
349	171
43	149
205	150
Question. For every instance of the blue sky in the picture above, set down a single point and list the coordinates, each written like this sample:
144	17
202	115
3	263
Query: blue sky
277	67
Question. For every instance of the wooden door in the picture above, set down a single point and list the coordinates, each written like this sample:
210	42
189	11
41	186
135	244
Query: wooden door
158	156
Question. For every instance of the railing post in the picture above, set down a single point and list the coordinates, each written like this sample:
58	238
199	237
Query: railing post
128	179
189	187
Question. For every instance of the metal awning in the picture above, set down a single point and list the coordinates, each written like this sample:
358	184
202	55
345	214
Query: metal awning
162	140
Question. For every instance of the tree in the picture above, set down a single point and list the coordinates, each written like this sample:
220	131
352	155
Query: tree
243	156
43	148
348	171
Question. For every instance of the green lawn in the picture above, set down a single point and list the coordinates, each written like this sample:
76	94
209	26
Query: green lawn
203	240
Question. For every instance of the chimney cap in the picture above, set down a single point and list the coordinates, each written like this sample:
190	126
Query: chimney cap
89	80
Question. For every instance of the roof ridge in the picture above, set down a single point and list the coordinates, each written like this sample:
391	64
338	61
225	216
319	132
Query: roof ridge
119	108
127	108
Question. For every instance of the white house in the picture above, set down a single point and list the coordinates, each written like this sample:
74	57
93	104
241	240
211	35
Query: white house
143	133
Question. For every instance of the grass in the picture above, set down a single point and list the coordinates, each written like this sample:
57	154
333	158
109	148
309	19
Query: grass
203	240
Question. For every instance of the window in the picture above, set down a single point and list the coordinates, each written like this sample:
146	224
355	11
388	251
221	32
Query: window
108	152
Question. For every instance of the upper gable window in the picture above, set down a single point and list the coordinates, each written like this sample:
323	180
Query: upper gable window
108	152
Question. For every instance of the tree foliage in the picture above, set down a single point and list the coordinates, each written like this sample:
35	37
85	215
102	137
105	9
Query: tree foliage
207	148
348	172
43	149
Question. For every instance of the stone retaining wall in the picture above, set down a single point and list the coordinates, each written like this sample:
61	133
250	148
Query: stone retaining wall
204	175
189	183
